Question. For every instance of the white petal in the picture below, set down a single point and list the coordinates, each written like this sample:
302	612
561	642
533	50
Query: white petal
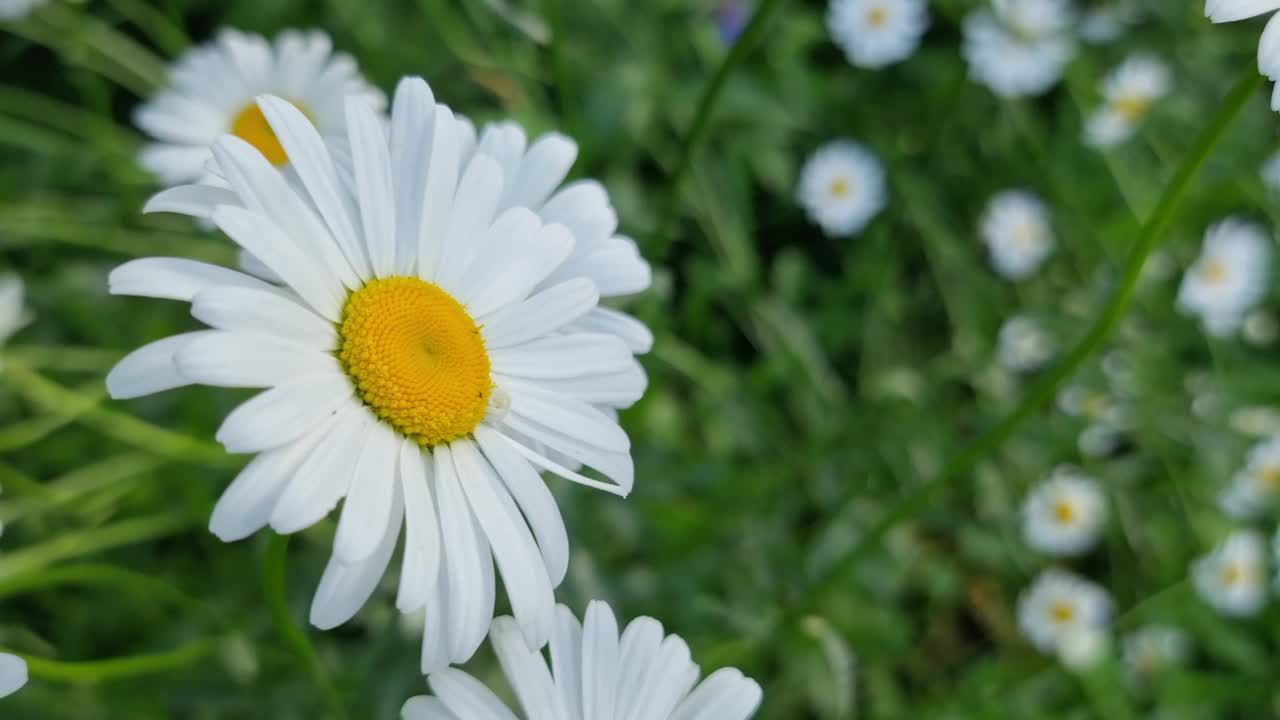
324	477
421	564
544	167
526	265
527	672
561	356
438	192
634	333
174	278
638	652
566	661
13	674
372	161
542	461
251	360
616	389
412	128
576	420
669	678
263	311
498	246
344	589
724	695
150	368
423	707
600	659
466	560
194	200
285	412
539	315
472	214
465	697
367	509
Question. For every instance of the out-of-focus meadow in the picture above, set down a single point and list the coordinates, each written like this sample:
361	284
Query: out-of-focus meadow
803	390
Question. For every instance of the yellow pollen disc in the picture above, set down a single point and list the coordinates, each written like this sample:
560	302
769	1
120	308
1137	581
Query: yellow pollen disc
1214	272
1270	477
251	126
1062	612
1063	512
1131	108
417	359
1232	575
840	187
877	17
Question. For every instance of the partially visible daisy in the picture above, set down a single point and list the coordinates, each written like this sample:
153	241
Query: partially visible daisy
212	89
1064	515
1232	578
1270	172
1019	47
420	365
1221	11
13	313
1059	604
1229	277
1128	92
1153	650
842	187
1023	345
13	674
1016	230
1256	488
876	33
1105	23
595	673
18	9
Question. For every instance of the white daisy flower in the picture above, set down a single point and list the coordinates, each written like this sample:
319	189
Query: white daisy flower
1232	578
1064	515
1019	47
1059	604
17	9
842	187
1128	92
419	359
876	33
1221	11
1270	172
13	674
1105	23
13	313
212	90
1152	650
1229	277
1255	489
1023	345
594	673
1016	229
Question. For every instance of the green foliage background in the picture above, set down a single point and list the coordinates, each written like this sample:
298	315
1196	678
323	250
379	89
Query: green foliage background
802	386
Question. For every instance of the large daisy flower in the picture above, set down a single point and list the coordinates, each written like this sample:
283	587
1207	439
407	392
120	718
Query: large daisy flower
1229	277
1128	92
1232	579
876	33
842	186
1019	47
594	675
13	674
1064	515
1221	11
424	356
212	90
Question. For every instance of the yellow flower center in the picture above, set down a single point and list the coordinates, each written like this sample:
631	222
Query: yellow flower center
251	126
417	359
1214	272
1062	612
840	187
1131	108
1232	574
1064	512
877	17
1270	477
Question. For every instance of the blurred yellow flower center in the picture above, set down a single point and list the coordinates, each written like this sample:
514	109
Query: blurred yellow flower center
1094	405
840	187
1064	512
417	359
251	126
1062	612
1214	272
1131	108
1232	575
1270	477
877	17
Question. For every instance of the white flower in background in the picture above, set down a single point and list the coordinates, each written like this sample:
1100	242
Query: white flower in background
1128	92
842	187
17	9
1256	488
13	312
13	674
876	33
1232	578
1023	345
1221	11
212	90
1084	650
1019	47
1105	23
420	360
594	674
1059	604
1064	515
1152	650
1229	277
1016	230
1276	547
1270	172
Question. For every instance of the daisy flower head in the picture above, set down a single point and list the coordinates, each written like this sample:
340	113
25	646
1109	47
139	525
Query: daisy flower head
422	359
876	33
13	674
1128	93
1019	47
212	89
595	673
1064	515
1023	345
1232	578
1256	487
1152	650
1229	277
842	186
18	9
1059	604
1016	229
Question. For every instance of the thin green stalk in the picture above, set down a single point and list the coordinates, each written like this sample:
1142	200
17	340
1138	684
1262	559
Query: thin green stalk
64	358
107	576
273	570
702	119
559	68
123	469
918	500
79	543
109	44
163	31
91	671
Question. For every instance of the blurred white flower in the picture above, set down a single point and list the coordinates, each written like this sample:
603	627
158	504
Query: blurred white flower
1256	420
1059	604
876	33
1105	23
1016	230
1221	11
1270	172
1255	489
212	90
1064	515
1023	345
842	187
1083	650
593	674
13	674
1260	327
17	9
1152	650
1019	47
1232	578
1128	92
1099	440
1229	277
13	311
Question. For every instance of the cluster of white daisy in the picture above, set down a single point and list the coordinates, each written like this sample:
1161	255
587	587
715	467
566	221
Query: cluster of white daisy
1019	47
842	186
876	33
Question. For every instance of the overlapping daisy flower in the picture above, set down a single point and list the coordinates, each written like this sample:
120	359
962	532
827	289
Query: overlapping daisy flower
1128	93
430	346
1255	489
842	187
13	674
1060	604
1016	229
212	89
1064	515
1229	277
876	33
1221	11
1232	578
595	674
1019	47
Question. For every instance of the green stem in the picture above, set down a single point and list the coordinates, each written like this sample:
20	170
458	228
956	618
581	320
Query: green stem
702	119
1043	391
273	572
87	542
91	671
64	357
111	45
108	576
163	31
73	487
